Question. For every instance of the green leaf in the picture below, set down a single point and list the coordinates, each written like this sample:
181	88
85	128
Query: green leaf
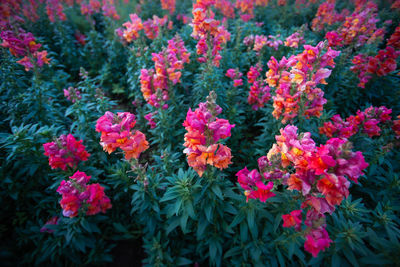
233	252
120	228
183	261
335	260
173	223
238	219
208	212
217	191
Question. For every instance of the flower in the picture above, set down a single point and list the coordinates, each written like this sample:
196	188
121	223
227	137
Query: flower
204	130
367	121
116	132
65	152
253	185
23	44
259	93
321	175
132	28
296	80
293	219
210	35
168	64
77	195
235	75
72	94
357	29
294	40
317	240
150	119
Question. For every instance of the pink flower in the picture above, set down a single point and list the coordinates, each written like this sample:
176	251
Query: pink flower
77	194
317	240
72	94
26	62
65	152
262	193
204	130
97	201
132	28
150	119
231	73
253	185
116	133
293	219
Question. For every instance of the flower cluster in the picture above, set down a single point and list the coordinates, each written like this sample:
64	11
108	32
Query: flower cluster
109	10
72	94
168	65
184	18
65	151
396	5
295	40
77	196
208	32
116	132
327	15
226	7
381	65
246	8
358	28
259	41
94	6
367	121
296	81
274	42
53	8
204	130
259	93
150	119
394	40
132	28
153	26
168	5
252	183
236	76
320	175
23	44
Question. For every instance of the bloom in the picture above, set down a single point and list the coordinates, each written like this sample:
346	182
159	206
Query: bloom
253	185
65	152
296	80
167	71
321	174
317	240
77	195
204	130
116	132
208	32
293	219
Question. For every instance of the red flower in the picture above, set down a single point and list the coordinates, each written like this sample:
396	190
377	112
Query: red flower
293	219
